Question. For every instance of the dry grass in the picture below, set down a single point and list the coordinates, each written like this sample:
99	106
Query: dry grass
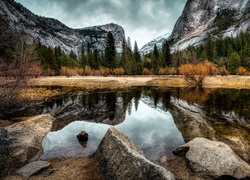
111	82
37	93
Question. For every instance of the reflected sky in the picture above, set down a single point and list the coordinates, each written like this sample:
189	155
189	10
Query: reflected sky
152	130
149	128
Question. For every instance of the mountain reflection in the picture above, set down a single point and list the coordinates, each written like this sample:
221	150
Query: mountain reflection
143	114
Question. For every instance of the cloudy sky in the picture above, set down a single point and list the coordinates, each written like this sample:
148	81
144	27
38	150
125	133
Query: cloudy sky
142	20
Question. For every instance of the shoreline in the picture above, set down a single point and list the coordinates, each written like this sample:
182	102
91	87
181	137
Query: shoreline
112	82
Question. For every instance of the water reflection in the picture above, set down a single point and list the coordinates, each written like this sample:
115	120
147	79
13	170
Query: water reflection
143	115
152	130
64	143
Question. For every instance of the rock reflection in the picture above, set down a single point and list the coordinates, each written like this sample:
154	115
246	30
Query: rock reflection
151	129
143	115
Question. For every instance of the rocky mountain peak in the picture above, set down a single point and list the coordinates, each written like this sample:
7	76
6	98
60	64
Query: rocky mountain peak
51	32
201	17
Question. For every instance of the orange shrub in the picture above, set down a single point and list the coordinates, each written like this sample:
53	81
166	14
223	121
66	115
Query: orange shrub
166	71
118	71
223	71
87	71
202	68
104	71
34	70
146	71
162	71
65	71
242	71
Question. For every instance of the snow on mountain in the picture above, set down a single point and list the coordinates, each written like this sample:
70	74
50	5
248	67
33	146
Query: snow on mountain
199	18
147	48
52	32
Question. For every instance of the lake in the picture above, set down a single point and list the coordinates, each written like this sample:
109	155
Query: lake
157	120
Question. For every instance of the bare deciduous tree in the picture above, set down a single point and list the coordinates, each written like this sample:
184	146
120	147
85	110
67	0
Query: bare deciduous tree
16	70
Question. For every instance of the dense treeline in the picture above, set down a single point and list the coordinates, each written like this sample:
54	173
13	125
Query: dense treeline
228	56
231	53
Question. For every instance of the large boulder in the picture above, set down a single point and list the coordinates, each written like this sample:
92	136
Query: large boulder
211	159
192	121
24	143
118	158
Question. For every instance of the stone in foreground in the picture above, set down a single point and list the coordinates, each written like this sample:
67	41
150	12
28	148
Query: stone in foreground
35	168
213	159
118	158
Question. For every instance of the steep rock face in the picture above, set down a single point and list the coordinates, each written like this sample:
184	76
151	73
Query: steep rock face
199	18
52	32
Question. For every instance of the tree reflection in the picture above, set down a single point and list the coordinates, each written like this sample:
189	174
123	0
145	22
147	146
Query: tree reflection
100	106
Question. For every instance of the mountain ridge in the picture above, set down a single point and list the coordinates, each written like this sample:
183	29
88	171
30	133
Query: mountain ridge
51	32
198	20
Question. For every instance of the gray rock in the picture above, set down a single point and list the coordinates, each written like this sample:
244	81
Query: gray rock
215	159
35	168
25	142
118	158
192	121
5	142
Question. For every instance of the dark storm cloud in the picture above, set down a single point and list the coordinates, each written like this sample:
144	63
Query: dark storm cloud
142	20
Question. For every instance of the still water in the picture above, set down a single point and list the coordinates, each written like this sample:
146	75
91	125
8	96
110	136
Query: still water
154	119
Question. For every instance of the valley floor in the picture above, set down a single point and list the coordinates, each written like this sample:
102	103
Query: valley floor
111	82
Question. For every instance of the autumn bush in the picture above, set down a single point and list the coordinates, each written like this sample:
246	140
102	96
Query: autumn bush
87	71
196	73
166	71
242	71
147	71
104	71
118	71
66	71
223	71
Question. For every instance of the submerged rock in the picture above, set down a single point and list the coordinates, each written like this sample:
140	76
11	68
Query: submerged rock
83	136
35	168
211	159
118	158
25	142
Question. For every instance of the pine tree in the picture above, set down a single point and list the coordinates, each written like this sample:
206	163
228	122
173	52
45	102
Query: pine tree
210	49
234	62
123	58
166	61
83	58
110	52
58	54
97	59
137	60
155	60
51	60
73	55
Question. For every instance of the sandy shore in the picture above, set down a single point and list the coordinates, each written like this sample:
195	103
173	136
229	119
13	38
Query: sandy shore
111	82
